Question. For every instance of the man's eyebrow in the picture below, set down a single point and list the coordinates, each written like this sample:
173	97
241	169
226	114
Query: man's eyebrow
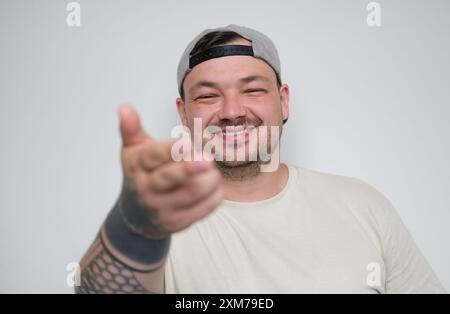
246	79
203	84
252	78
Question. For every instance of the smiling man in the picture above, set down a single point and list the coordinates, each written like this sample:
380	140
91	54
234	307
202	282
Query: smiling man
226	226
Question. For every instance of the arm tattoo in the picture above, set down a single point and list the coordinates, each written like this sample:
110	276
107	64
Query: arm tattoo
129	231
140	218
105	274
128	228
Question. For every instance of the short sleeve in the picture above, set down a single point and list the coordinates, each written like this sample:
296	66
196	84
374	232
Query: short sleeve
407	271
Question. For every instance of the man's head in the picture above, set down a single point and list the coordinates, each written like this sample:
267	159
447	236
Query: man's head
233	89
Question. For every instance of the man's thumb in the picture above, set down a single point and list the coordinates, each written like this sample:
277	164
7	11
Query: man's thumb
130	126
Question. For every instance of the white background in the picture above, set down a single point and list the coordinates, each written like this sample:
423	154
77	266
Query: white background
372	103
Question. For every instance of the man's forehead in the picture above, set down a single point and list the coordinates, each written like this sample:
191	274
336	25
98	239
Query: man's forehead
242	80
231	69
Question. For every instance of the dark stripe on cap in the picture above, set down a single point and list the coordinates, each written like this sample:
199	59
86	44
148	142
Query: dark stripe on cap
220	51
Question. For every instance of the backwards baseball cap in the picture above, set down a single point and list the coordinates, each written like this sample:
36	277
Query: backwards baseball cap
261	47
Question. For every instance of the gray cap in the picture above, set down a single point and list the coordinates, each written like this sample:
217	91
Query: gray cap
262	47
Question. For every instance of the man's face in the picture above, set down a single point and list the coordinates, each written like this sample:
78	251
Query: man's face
234	91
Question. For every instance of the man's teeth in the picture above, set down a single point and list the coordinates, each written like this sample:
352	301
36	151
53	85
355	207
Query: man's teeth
234	131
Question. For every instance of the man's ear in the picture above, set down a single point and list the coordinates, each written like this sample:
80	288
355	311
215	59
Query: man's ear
182	111
284	100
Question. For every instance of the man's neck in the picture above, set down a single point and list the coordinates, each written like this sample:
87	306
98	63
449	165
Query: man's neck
255	188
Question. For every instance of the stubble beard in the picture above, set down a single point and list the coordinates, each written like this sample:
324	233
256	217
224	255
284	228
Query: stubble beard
235	170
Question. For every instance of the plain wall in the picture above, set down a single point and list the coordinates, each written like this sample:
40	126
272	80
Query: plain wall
366	102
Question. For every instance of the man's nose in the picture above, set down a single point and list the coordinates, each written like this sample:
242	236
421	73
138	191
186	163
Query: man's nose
232	108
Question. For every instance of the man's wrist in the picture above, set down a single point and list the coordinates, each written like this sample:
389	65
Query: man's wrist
127	241
140	218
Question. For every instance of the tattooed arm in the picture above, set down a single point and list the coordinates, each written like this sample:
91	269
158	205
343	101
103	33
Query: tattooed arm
102	272
121	260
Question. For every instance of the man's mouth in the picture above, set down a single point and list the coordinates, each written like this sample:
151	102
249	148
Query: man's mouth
236	134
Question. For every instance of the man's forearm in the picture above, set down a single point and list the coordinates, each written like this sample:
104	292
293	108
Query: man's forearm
122	259
102	272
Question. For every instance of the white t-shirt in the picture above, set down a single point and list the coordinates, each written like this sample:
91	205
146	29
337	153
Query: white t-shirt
322	233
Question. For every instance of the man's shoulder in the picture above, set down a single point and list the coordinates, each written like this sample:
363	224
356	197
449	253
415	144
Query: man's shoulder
349	198
340	188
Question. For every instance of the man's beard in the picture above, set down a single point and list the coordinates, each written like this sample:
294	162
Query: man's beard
240	170
237	170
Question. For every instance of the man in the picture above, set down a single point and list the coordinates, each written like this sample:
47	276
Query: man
227	226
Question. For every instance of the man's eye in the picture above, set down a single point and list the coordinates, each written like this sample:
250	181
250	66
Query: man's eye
254	90
206	96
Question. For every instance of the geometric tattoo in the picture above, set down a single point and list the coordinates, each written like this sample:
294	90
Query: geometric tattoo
105	274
